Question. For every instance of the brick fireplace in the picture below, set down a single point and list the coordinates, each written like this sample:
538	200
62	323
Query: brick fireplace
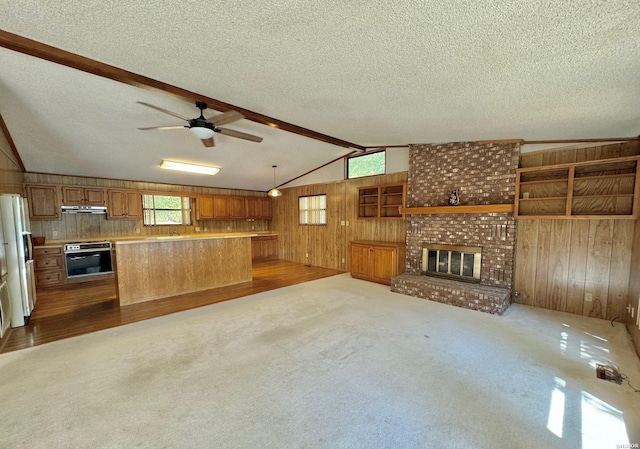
484	174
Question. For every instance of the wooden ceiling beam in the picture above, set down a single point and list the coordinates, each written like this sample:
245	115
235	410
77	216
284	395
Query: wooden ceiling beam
56	55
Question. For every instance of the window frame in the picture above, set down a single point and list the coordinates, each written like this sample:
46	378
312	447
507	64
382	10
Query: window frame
365	154
311	210
185	212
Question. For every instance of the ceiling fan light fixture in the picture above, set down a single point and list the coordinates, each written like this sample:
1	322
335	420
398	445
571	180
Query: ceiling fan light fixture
274	192
201	132
191	168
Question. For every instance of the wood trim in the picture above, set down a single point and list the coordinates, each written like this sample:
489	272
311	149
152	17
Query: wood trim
479	209
56	55
578	164
611	139
317	168
569	205
12	145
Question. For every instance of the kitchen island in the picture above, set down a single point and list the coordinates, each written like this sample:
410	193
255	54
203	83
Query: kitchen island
159	267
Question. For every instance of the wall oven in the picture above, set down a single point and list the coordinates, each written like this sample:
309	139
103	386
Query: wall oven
84	260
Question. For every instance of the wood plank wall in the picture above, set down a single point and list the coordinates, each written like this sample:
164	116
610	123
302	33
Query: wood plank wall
73	226
11	175
559	262
328	246
634	289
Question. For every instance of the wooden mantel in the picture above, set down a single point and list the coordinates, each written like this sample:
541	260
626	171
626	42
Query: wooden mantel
479	209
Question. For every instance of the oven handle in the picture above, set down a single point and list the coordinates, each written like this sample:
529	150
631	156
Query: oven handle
81	251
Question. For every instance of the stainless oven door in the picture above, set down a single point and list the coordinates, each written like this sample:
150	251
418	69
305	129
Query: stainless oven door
88	262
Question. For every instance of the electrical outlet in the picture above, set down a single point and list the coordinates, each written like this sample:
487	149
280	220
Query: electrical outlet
306	255
347	222
137	230
197	228
228	228
253	227
343	260
588	297
54	233
342	223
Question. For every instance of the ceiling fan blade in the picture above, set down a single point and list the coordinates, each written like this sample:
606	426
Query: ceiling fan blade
225	118
208	142
157	108
239	135
162	127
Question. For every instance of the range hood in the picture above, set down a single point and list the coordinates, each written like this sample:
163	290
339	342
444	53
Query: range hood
84	209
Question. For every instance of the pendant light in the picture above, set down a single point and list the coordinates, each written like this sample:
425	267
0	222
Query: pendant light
274	192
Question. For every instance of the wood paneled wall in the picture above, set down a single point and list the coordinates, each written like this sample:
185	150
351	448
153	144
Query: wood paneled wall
559	262
83	226
634	288
328	246
11	175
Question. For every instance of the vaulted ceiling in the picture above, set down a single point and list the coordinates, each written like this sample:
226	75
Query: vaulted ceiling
374	73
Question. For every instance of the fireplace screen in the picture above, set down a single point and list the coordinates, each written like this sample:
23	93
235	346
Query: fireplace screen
453	262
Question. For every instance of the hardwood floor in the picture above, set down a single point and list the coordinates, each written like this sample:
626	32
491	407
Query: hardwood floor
78	309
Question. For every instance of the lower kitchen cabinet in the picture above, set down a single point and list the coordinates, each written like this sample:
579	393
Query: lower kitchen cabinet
49	266
264	247
377	261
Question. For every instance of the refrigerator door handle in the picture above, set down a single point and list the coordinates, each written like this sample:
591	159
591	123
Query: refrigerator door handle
28	246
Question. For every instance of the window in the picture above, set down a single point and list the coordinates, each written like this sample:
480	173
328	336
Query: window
368	164
161	210
313	210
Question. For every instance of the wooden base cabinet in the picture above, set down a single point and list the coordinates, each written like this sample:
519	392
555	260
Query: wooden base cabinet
49	266
377	261
264	247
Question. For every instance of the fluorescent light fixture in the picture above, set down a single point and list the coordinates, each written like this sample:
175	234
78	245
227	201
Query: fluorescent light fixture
201	132
191	168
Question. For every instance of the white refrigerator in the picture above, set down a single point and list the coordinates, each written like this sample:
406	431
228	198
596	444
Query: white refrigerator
18	254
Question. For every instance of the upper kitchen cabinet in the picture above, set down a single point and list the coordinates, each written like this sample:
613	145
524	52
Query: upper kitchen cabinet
204	207
259	207
229	207
83	196
124	204
44	203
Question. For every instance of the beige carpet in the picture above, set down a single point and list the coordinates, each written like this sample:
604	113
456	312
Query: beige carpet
333	363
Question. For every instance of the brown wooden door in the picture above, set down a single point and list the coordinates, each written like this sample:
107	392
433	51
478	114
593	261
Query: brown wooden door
134	204
94	197
236	207
220	207
117	207
205	207
43	202
254	207
384	263
266	207
72	196
360	260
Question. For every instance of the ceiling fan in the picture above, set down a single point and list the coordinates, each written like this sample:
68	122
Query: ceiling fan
204	128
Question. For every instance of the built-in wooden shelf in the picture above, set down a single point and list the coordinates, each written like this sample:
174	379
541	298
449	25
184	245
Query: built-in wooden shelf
479	209
604	188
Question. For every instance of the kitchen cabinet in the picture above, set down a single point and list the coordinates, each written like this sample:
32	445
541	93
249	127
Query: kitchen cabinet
44	203
377	261
229	207
606	188
49	266
264	247
83	196
381	202
259	207
124	205
204	207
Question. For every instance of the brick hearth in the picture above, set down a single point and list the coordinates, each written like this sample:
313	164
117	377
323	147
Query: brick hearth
483	174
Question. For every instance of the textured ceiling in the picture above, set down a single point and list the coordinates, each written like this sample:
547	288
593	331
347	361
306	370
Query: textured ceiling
370	72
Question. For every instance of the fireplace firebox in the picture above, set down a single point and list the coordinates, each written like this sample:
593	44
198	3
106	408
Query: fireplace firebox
461	263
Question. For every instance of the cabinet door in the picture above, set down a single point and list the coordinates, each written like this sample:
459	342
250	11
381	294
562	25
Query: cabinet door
254	207
72	196
204	207
384	262
236	207
266	208
43	202
94	196
117	207
134	205
220	207
360	260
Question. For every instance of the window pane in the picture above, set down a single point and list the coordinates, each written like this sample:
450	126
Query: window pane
366	165
312	210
